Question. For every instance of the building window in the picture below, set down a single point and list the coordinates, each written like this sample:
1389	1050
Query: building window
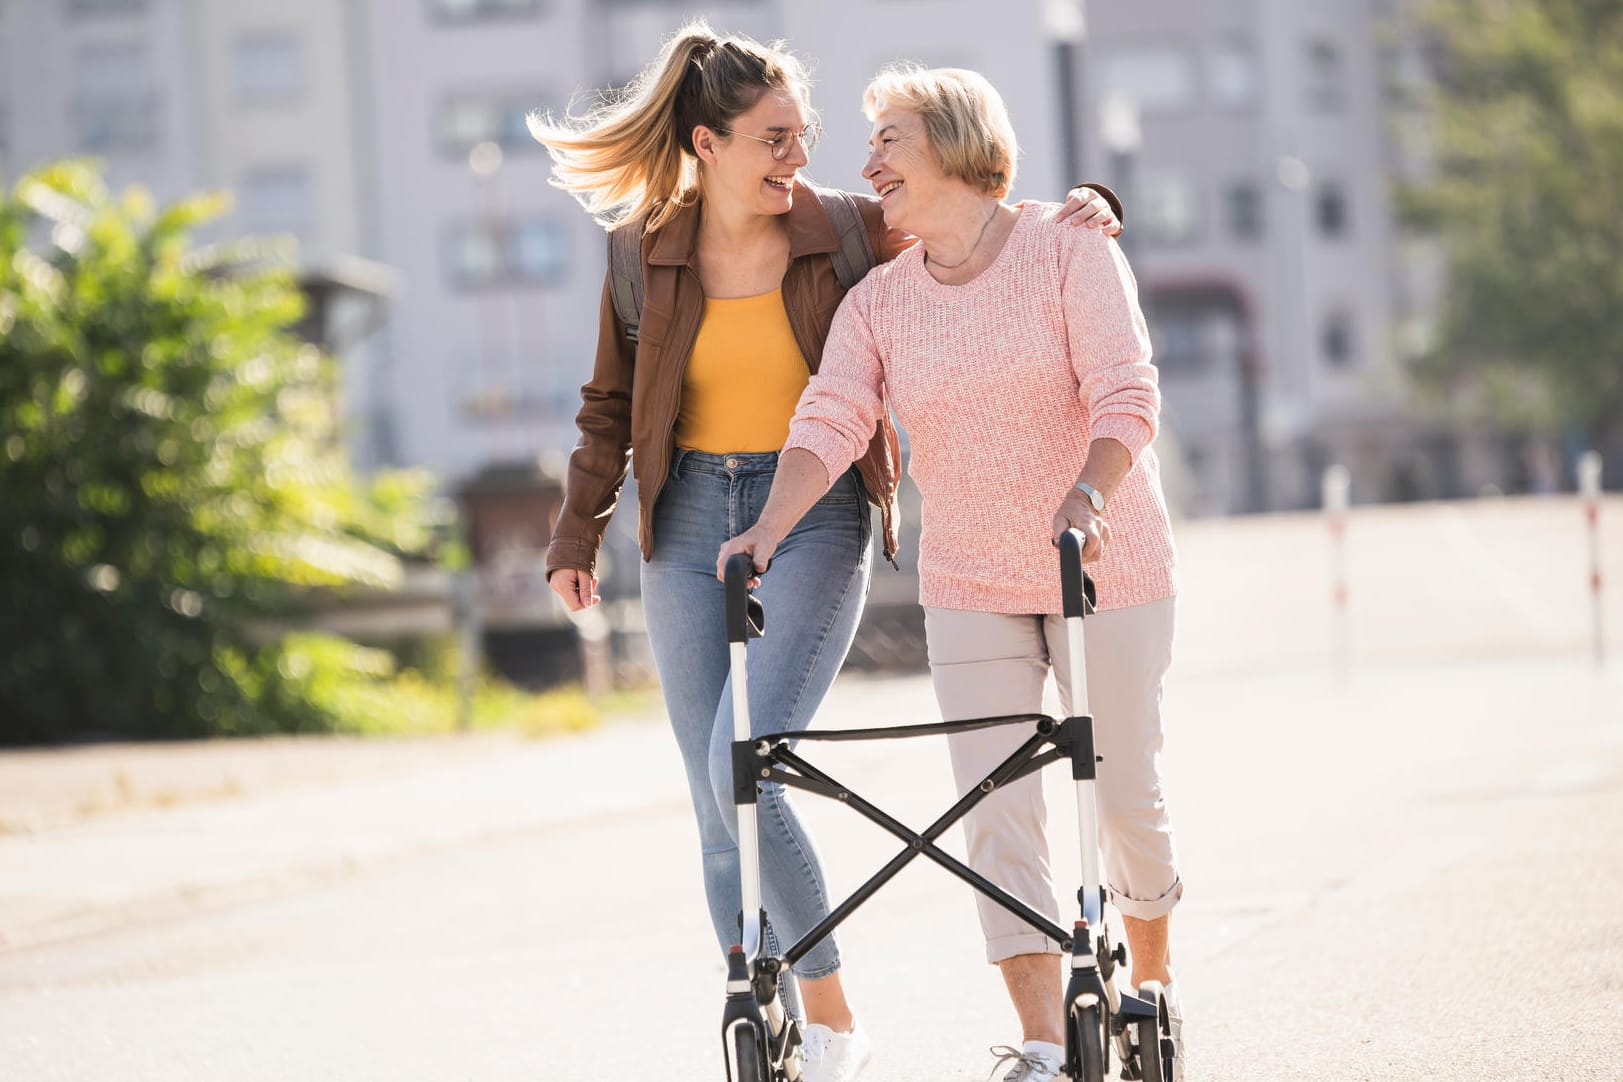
475	257
277	200
494	254
90	9
538	251
1330	206
1159	80
1231	75
1244	202
1179	349
1166	207
464	122
116	105
468	11
499	386
1324	77
268	67
1337	339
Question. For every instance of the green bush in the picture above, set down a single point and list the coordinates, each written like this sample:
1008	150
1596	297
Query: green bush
170	478
361	688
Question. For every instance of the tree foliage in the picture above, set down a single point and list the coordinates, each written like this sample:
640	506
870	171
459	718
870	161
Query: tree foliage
170	477
1528	199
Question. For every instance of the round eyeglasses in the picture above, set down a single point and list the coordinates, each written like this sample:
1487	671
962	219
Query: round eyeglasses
779	144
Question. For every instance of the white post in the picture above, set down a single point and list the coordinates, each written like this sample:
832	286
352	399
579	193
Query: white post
1589	492
1336	488
467	612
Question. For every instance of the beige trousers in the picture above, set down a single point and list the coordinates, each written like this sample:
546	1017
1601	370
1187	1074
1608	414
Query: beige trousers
984	664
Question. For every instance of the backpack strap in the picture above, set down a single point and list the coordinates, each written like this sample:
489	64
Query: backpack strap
625	274
854	257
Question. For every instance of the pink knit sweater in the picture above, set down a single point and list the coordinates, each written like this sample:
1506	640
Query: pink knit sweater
1001	384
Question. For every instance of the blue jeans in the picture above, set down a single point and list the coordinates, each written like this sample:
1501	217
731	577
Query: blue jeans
813	594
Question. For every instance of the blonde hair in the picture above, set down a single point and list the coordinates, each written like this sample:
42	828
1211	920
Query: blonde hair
964	119
633	154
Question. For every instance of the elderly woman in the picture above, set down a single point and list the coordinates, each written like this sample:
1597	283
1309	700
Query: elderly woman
1014	353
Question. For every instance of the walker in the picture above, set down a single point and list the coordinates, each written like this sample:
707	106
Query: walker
761	1042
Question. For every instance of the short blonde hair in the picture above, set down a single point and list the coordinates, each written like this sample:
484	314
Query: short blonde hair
964	118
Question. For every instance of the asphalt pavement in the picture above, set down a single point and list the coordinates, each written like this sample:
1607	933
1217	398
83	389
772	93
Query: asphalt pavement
1402	863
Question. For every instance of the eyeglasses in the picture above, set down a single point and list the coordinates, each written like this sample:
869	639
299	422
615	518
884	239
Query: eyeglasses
781	142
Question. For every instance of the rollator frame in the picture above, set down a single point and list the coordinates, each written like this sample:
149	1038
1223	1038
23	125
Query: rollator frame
1098	1014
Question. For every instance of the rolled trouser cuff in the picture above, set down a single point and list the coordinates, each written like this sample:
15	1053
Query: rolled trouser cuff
1147	909
1004	947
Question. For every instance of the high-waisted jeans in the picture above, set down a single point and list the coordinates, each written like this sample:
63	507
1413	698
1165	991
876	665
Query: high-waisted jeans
813	594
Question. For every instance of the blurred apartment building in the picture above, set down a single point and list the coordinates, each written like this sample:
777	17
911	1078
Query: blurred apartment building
1249	138
1258	157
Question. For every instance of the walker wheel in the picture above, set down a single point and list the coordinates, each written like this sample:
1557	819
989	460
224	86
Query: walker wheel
746	1057
1085	1033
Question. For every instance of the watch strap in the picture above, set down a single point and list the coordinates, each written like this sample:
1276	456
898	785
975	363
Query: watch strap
1095	497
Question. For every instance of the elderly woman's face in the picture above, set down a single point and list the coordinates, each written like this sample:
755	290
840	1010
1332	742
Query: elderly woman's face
902	166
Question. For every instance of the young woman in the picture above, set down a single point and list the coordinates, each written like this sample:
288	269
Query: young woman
1014	352
703	158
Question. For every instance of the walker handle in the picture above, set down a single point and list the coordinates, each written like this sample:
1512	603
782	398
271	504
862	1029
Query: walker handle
1076	587
746	617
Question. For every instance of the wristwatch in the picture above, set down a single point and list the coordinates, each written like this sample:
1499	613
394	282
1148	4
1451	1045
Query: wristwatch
1095	497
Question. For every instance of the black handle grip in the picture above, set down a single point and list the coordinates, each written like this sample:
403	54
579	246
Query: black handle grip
1075	586
746	617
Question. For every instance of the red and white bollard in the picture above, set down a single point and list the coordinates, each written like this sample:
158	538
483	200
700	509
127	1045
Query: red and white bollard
1336	488
1589	493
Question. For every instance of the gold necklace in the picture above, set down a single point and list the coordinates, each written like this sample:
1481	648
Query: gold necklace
978	238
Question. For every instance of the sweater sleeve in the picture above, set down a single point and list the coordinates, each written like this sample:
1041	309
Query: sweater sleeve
843	402
1110	344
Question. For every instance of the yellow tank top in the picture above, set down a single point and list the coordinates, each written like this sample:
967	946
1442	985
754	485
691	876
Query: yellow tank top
743	378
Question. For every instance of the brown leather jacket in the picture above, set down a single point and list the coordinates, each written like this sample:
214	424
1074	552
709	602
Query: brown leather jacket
629	407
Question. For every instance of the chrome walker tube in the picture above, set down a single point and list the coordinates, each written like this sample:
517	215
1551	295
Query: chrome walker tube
1087	806
749	852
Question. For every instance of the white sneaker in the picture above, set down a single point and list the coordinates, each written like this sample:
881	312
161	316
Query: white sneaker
1036	1061
1175	1023
835	1057
1169	999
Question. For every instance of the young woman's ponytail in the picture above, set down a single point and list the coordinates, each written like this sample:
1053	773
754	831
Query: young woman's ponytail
633	155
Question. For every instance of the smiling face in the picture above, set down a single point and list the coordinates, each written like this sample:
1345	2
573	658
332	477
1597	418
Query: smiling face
742	170
903	168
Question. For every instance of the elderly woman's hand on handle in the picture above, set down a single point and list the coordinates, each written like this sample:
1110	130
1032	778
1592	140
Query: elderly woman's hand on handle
1108	463
1075	512
758	543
